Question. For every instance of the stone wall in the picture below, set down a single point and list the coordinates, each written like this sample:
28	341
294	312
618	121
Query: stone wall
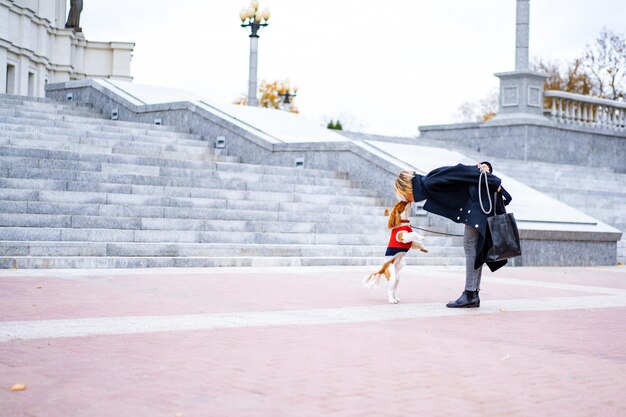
537	141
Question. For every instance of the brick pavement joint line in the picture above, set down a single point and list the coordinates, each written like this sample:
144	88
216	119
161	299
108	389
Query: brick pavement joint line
83	327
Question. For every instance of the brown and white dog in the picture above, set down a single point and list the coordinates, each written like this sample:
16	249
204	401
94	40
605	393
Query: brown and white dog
401	240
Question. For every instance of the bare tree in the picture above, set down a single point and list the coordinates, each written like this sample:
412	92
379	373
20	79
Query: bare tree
605	61
479	110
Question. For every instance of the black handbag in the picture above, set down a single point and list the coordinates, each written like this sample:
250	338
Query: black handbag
504	234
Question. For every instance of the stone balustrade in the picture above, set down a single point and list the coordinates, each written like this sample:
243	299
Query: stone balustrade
578	109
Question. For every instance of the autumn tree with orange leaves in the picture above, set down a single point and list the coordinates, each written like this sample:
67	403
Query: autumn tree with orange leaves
272	95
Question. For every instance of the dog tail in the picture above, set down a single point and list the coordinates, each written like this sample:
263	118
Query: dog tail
373	280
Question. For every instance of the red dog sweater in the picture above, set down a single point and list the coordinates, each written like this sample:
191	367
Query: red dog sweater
394	247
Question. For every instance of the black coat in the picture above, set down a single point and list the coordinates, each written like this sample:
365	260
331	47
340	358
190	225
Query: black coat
452	192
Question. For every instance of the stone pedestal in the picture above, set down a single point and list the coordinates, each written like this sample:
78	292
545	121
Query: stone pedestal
521	94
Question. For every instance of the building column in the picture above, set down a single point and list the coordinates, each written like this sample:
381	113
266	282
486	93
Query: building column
3	71
21	73
40	79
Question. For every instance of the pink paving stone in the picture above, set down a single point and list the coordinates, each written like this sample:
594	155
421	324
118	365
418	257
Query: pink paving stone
211	291
549	363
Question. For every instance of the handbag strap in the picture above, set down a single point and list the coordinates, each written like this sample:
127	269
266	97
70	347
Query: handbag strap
480	199
500	208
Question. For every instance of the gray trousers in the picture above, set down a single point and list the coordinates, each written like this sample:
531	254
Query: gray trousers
472	276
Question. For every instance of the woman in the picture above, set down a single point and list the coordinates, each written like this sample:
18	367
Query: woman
452	192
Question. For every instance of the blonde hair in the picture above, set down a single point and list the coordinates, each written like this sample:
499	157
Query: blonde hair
404	184
395	217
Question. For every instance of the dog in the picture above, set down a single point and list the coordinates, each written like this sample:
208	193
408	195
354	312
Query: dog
402	239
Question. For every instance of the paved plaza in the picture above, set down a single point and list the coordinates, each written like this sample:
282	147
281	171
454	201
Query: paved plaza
311	342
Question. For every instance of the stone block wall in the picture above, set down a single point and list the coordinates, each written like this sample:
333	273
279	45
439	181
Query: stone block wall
537	141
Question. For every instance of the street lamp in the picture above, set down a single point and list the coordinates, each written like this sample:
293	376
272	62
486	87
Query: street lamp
253	18
287	93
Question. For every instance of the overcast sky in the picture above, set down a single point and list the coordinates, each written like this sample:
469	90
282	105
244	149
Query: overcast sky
383	66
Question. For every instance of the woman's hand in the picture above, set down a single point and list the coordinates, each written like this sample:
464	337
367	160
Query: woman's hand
499	188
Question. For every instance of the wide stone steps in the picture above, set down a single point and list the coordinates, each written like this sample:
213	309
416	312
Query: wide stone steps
158	165
78	190
73	134
102	126
151	249
76	130
153	223
7	104
219	175
21	111
141	194
54	179
63	234
50	262
43	111
128	148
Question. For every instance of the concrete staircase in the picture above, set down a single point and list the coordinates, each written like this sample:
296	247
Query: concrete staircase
81	191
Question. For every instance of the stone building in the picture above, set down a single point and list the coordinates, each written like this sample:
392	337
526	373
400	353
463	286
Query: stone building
36	49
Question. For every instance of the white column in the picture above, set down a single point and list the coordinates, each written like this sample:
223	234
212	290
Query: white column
40	89
522	17
3	71
21	74
252	81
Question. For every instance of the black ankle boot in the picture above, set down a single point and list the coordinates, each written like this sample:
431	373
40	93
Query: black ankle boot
469	299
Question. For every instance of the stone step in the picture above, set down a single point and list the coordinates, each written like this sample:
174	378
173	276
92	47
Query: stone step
29	220
108	144
8	101
20	110
19	171
233	167
43	248
41	262
573	184
104	132
591	195
95	144
70	112
364	216
28	167
184	236
208	193
76	197
121	148
86	122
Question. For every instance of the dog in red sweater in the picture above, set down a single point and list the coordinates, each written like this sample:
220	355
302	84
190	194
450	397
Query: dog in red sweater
401	240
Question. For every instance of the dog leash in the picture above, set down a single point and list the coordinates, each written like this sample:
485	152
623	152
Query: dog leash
432	231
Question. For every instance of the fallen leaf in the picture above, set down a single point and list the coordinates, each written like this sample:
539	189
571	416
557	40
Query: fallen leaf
18	387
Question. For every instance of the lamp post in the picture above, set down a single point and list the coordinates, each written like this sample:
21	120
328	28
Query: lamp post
253	18
287	93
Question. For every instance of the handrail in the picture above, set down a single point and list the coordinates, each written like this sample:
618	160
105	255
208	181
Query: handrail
578	109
